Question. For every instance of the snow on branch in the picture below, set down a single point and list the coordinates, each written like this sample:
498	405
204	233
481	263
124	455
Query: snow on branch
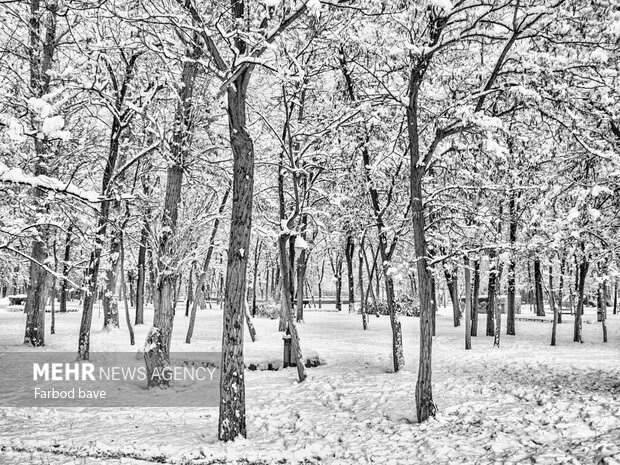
17	176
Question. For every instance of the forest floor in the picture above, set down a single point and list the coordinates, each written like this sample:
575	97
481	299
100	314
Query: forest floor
525	402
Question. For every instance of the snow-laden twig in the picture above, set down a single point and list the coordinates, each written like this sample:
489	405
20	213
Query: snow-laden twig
17	176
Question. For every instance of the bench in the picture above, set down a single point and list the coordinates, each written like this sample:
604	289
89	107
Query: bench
19	299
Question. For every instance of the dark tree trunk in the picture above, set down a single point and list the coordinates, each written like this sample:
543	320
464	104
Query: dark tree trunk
425	407
53	291
496	309
538	289
561	286
291	328
512	289
157	357
554	308
40	57
360	277
190	290
338	276
491	293
475	298
452	283
110	300
602	307
132	338
349	251
615	296
232	384
433	303
302	264
257	251
65	271
92	271
141	279
468	302
582	272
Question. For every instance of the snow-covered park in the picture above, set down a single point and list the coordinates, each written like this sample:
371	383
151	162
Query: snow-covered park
309	231
524	402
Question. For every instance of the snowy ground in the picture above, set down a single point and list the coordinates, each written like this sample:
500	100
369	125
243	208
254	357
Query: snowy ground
526	402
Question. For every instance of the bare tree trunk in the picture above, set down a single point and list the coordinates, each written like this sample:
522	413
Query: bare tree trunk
554	308
190	289
476	300
53	291
538	291
40	57
141	279
132	338
468	302
582	271
92	271
157	353
497	310
602	304
257	251
561	286
301	272
512	289
349	251
110	301
232	383
65	271
452	283
360	276
615	296
425	407
291	328
491	293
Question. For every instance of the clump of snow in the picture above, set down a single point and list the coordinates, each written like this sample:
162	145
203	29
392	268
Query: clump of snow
52	128
300	243
17	176
314	7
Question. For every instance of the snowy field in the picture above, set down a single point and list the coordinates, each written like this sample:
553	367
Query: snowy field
525	402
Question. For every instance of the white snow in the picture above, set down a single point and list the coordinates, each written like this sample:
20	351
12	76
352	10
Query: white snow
525	402
17	176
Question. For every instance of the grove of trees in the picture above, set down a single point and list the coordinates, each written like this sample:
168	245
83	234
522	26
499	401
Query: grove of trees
270	152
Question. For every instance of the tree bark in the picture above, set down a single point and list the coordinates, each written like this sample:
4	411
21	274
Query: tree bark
561	286
452	283
232	383
42	46
582	271
349	251
602	303
491	293
497	309
257	250
190	290
360	277
92	271
65	271
476	300
468	302
512	289
538	290
157	356
110	300
132	338
554	308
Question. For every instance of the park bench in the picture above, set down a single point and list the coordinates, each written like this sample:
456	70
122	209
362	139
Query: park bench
19	299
